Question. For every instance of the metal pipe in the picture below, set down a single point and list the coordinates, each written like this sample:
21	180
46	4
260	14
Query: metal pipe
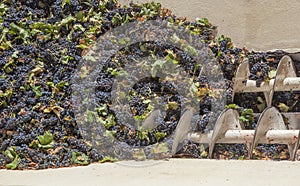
231	136
291	81
281	137
250	86
246	136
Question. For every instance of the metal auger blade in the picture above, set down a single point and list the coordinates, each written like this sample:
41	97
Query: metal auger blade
285	80
150	121
271	129
182	129
228	120
243	84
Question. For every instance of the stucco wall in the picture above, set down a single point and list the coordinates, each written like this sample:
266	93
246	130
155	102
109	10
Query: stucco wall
257	24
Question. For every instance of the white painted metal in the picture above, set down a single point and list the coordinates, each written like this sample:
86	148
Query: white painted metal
285	80
246	137
271	128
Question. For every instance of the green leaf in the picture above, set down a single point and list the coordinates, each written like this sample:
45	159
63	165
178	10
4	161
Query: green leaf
45	28
61	85
158	64
67	20
243	119
23	34
15	54
122	41
12	155
117	19
8	93
247	116
109	121
34	32
159	135
232	106
48	146
173	105
64	2
203	22
38	69
45	139
110	134
112	71
146	101
247	112
14	164
10	152
139	154
89	58
97	18
261	105
79	27
7	67
3	9
3	103
143	135
221	38
37	90
80	158
80	16
283	107
34	144
175	38
142	47
102	110
241	157
66	59
170	55
219	54
192	51
194	88
272	74
108	159
82	46
90	116
160	148
3	34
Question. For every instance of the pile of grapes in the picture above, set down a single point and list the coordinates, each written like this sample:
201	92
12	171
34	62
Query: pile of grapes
41	45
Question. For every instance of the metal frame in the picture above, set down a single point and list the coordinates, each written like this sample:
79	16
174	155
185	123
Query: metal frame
271	128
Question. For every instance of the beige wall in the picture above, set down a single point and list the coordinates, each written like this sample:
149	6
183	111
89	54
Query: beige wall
256	24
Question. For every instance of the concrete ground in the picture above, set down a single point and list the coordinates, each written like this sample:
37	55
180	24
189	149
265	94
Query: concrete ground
173	172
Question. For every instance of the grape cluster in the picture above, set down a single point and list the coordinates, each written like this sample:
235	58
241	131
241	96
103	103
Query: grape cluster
275	152
286	101
259	72
230	151
37	78
189	150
